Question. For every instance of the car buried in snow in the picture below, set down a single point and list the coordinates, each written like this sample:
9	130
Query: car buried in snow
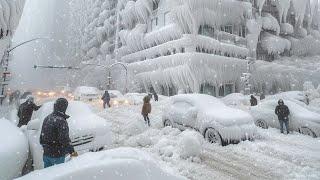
217	122
300	119
84	93
117	98
88	132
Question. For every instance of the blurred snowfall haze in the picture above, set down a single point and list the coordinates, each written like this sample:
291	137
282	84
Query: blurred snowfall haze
41	18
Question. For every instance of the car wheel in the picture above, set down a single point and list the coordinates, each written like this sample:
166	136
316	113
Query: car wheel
307	131
213	136
261	123
167	122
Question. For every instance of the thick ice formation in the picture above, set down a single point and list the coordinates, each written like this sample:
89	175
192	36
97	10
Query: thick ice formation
186	70
10	13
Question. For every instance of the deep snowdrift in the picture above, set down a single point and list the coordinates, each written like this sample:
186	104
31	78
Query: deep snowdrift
115	164
13	150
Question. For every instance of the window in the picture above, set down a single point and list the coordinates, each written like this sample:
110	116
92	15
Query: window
155	5
166	18
154	23
221	91
228	89
206	30
227	29
242	31
208	89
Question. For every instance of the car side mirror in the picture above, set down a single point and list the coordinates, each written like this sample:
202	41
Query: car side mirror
34	125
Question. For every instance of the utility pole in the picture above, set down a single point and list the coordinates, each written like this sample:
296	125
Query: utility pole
5	63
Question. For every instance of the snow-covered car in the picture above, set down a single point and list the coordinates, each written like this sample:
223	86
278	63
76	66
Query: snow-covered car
237	100
88	132
84	93
217	122
117	98
294	95
301	119
115	164
13	150
135	98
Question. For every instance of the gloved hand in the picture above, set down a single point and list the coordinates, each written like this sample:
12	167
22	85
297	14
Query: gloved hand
74	154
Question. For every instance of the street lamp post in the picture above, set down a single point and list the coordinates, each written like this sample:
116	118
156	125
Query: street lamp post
5	63
124	66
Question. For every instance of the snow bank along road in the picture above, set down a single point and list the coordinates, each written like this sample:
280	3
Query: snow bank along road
271	156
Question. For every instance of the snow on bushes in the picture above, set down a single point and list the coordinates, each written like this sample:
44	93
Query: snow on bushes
307	46
270	23
189	144
275	44
286	29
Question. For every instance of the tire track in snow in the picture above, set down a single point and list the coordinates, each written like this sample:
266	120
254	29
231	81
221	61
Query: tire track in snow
236	165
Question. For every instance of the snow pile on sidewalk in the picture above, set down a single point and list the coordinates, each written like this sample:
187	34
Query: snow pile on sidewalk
13	150
190	144
115	164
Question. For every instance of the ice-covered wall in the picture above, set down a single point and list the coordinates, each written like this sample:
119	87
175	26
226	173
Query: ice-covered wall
10	14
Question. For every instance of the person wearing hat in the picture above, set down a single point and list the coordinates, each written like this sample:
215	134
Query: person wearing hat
25	111
282	111
54	136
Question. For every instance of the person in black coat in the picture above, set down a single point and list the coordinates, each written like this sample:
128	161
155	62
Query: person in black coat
54	136
106	99
25	111
282	111
155	96
253	101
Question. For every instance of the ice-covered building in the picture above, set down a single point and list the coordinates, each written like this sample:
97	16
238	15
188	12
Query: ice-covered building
198	45
288	27
10	14
194	46
203	45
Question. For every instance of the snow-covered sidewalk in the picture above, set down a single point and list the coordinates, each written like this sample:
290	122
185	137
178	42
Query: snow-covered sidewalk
271	156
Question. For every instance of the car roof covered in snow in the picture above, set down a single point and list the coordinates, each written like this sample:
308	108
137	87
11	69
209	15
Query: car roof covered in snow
86	90
115	164
214	109
81	116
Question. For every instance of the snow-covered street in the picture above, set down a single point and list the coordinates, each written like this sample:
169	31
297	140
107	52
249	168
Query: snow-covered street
270	156
159	89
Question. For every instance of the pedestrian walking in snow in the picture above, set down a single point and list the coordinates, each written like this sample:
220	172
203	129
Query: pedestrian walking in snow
253	101
150	95
106	99
262	96
54	136
146	109
25	111
307	99
155	96
282	111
